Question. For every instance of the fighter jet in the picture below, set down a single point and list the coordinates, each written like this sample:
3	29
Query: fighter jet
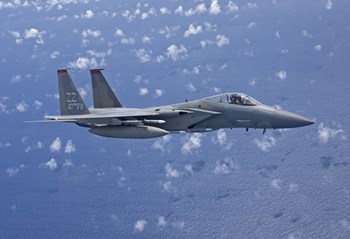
109	118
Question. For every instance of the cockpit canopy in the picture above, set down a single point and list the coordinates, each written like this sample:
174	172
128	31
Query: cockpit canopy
234	98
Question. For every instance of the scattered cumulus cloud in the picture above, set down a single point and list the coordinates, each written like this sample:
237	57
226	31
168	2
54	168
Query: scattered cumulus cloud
224	166
13	171
329	5
22	106
161	221
306	34
276	183
142	55
159	92
170	171
164	10
190	87
251	25
70	147
51	164
277	35
37	104
193	30
119	32
90	33
88	14
214	7
161	143
15	79
232	7
222	40
143	91
54	54
56	145
35	34
282	74
326	133
265	143
176	53
140	225
318	47
221	139
193	143
83	63
252	5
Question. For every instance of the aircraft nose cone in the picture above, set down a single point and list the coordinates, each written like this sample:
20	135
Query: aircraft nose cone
285	119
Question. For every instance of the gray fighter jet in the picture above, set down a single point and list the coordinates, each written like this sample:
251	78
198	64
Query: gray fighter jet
109	118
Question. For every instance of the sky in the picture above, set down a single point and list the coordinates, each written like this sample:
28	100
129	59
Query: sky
60	181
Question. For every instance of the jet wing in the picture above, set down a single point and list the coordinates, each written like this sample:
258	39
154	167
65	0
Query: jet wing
101	116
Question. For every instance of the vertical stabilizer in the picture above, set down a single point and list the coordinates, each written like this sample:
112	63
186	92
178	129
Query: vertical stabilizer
102	92
71	102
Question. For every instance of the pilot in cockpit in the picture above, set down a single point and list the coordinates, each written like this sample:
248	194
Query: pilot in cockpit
235	99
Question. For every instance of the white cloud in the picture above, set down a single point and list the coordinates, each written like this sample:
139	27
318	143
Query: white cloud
70	147
282	74
201	8
119	32
54	54
306	34
251	25
39	145
161	143
12	171
276	183
232	7
221	138
140	225
15	79
326	133
5	145
68	163
164	10
176	52
222	40
194	142
142	55
146	39
83	63
170	171
88	14
159	92
161	221
22	106
265	143
56	145
277	35
61	18
318	47
51	164
225	166
37	104
127	41
179	10
143	91
193	30
252	5
190	87
214	7
329	5
91	33
34	33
